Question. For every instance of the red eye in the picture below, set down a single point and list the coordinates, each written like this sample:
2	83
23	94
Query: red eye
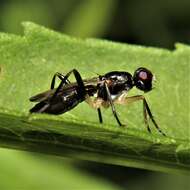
143	75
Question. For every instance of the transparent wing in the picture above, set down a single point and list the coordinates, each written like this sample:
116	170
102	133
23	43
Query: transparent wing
42	96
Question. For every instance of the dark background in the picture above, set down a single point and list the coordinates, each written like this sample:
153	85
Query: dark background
144	22
147	22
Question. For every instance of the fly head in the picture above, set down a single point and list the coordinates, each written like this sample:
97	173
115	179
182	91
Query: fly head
143	79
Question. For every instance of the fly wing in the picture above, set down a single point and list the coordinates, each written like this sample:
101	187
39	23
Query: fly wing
42	96
64	90
49	93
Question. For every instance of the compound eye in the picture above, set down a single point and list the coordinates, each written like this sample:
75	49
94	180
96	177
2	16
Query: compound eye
143	75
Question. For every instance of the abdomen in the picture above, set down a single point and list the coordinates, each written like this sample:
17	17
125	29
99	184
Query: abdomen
58	105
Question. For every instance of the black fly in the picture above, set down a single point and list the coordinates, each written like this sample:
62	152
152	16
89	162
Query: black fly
102	91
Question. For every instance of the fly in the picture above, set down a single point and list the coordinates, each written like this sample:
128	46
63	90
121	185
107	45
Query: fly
101	91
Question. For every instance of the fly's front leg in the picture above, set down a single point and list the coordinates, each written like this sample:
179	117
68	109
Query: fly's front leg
145	117
152	118
61	77
123	99
146	110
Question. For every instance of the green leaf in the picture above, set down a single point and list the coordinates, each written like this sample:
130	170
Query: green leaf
27	64
34	171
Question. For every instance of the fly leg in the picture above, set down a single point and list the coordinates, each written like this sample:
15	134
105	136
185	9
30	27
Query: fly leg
81	88
80	93
100	115
96	104
145	117
61	77
146	110
112	105
151	117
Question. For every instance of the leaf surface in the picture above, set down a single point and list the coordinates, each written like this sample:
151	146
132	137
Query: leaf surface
27	64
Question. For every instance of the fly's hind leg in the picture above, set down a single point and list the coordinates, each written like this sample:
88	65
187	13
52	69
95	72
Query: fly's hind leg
61	77
64	80
146	110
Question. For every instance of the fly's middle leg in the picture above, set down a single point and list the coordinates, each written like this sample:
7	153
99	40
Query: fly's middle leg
112	105
96	104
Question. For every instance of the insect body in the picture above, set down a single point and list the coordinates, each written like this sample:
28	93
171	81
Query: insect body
102	91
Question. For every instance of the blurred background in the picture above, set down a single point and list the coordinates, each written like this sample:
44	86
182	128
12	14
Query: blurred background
143	22
147	22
